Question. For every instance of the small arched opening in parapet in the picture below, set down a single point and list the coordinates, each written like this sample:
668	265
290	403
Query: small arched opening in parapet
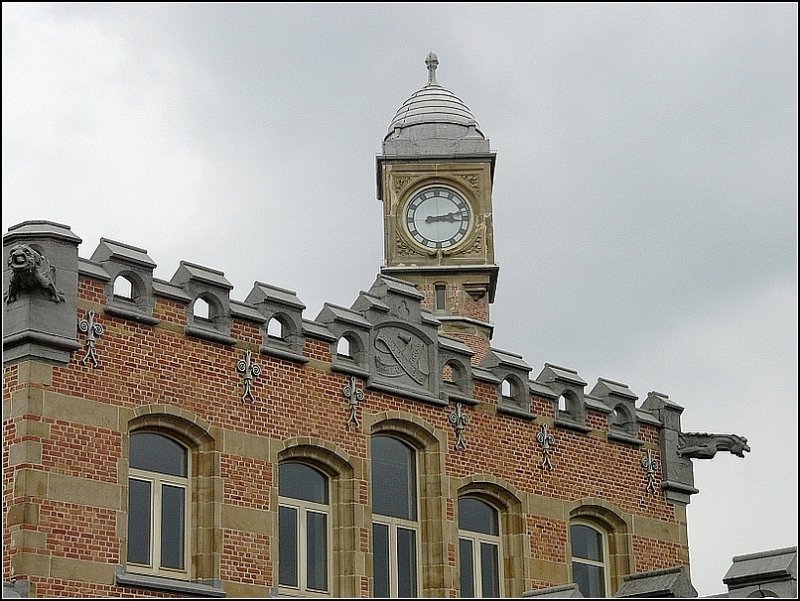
202	309
343	347
455	377
507	389
123	287
621	419
275	329
563	405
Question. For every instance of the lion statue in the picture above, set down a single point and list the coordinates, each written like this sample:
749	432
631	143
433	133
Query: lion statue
31	270
700	445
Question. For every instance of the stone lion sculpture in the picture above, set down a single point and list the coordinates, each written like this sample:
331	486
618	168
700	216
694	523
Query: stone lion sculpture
31	270
700	445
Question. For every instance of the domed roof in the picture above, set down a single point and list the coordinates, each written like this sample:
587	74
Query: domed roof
433	104
434	121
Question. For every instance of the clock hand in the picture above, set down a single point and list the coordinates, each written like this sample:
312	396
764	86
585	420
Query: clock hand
449	217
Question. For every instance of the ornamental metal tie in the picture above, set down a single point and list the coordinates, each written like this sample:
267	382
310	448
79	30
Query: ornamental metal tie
459	422
651	465
354	396
546	440
250	370
93	330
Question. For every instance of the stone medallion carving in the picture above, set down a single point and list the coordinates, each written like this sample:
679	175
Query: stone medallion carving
401	354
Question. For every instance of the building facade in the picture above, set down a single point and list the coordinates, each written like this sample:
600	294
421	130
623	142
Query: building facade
163	439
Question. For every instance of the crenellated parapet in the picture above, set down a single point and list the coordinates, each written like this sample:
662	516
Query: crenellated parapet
386	341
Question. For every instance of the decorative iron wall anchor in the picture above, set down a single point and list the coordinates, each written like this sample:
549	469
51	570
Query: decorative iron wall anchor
93	331
546	440
651	465
354	397
250	370
459	422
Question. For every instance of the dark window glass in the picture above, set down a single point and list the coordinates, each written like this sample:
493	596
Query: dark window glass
490	571
317	549
467	573
406	562
139	504
287	547
299	481
590	579
477	516
173	500
394	481
380	559
587	543
440	296
156	453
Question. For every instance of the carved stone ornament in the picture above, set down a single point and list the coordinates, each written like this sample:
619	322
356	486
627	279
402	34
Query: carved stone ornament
354	396
404	250
400	353
546	440
401	182
93	331
250	370
471	180
651	465
701	445
30	270
459	422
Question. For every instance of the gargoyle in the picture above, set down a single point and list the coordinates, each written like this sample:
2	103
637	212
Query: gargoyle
701	445
31	270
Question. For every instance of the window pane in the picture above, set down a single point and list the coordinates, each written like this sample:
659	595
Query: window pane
394	481
477	516
490	571
467	572
406	563
317	550
287	546
139	506
380	559
173	499
587	543
156	453
590	579
299	481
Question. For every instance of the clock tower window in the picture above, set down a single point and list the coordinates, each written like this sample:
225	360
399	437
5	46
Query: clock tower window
440	297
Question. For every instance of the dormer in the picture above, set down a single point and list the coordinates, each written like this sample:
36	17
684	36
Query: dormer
130	288
568	388
208	313
623	425
350	350
513	395
282	333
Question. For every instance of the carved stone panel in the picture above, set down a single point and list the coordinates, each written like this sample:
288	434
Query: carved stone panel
401	357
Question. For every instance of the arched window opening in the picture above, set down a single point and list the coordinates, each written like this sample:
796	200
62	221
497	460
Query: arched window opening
562	404
507	389
448	374
589	552
158	504
123	287
201	309
304	524
275	329
394	527
343	347
479	548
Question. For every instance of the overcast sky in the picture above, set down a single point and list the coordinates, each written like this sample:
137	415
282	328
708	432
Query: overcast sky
645	196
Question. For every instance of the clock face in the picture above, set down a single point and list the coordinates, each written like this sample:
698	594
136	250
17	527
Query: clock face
437	217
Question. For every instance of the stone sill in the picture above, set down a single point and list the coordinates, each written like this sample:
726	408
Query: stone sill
186	587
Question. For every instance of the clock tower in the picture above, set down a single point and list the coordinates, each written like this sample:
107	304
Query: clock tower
435	181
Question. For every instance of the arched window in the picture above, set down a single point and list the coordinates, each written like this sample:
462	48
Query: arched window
562	404
275	329
479	547
158	505
589	556
201	309
304	528
394	518
343	347
507	389
123	287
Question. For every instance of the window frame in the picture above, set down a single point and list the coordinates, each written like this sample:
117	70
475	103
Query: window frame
393	524
303	508
478	538
157	481
591	562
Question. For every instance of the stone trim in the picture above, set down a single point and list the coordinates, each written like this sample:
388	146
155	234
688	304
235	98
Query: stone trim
193	588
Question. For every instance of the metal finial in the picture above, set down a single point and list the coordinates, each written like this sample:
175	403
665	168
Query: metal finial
432	62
